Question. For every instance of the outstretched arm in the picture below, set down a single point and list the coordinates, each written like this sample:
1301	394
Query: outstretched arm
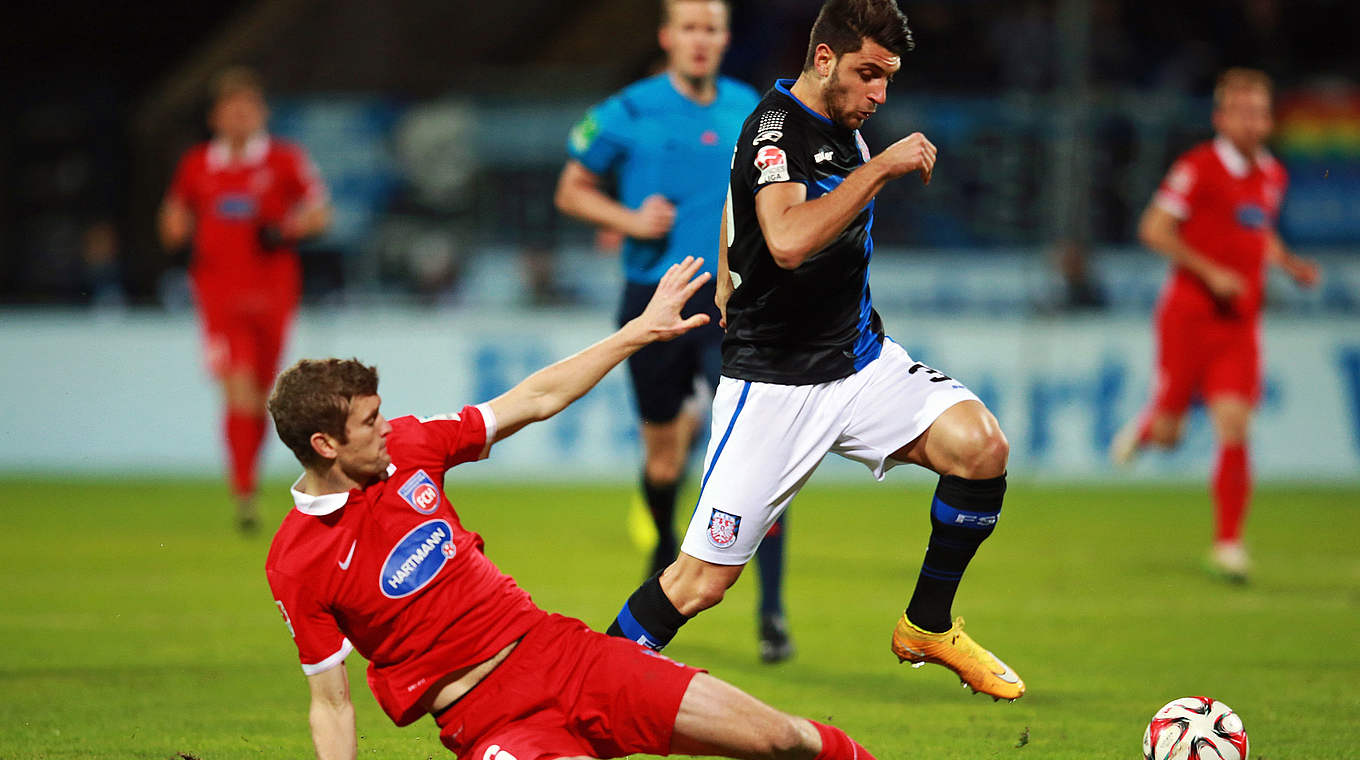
549	390
332	715
795	228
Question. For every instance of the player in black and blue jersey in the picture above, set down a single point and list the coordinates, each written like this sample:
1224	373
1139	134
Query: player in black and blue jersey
665	144
807	368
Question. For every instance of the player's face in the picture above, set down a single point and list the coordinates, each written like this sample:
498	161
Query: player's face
858	83
238	115
695	38
1244	117
363	456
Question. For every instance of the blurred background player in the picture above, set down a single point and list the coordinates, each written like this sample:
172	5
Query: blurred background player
665	144
446	633
243	201
807	368
1213	218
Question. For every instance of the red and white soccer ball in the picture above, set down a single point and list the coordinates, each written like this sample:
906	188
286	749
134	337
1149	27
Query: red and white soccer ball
1195	728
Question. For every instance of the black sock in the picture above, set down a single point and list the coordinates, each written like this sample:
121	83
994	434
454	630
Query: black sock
962	514
770	564
661	504
648	617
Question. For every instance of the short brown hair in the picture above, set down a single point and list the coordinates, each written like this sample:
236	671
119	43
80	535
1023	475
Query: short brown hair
236	79
313	396
667	4
1239	78
843	25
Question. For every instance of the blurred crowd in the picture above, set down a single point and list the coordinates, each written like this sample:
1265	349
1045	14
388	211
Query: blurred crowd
1055	120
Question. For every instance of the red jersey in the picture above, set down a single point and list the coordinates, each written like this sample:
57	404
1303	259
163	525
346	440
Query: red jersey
390	571
1227	206
231	198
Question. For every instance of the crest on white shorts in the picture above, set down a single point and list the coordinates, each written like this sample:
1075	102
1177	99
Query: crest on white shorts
722	528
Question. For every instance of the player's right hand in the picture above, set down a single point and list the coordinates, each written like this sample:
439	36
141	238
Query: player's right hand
653	219
912	153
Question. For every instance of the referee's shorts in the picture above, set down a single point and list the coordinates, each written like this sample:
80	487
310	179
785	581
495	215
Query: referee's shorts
664	375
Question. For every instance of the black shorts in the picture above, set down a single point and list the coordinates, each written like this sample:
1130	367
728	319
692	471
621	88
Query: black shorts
663	374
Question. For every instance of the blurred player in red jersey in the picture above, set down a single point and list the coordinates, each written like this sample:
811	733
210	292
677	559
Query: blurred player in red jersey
244	200
375	558
1214	219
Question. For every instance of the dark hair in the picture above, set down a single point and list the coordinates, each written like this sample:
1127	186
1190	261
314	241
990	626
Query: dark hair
842	25
666	8
313	396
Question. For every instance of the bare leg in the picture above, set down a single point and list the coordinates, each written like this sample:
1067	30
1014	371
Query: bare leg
694	585
717	718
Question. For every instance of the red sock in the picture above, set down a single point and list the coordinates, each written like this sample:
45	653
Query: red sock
836	745
1232	487
245	433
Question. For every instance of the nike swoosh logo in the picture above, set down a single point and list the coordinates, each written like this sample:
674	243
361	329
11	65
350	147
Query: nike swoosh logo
911	651
345	565
1006	675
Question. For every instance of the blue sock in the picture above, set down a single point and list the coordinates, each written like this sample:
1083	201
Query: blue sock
648	617
770	564
962	514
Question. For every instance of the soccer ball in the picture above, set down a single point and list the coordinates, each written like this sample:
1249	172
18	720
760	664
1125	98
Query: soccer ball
1195	728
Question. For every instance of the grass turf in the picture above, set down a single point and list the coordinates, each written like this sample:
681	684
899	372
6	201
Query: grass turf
135	623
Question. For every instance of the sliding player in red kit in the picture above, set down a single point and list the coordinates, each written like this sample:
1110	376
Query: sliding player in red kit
244	200
1214	219
375	559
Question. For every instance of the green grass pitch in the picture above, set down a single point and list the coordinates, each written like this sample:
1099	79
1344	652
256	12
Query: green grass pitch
134	623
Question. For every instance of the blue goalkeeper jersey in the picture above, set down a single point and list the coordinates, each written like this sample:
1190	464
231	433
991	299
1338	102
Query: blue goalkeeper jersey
651	139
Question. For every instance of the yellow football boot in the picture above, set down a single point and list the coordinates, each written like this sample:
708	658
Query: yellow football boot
978	668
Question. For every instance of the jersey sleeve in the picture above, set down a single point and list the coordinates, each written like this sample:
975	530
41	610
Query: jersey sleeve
775	155
304	180
320	643
1178	192
600	139
184	185
463	436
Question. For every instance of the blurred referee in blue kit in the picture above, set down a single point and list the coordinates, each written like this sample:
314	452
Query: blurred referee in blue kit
664	145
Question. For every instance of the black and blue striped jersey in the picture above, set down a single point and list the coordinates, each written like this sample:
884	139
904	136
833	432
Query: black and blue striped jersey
815	323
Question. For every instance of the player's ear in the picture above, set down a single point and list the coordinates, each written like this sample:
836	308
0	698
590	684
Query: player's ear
325	446
823	60
663	37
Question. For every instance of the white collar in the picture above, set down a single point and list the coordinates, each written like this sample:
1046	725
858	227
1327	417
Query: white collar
219	152
1234	160
326	503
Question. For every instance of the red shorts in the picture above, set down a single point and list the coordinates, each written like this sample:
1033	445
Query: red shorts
244	331
569	691
1200	357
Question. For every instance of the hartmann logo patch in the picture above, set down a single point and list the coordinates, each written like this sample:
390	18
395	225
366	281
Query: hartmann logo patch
416	559
421	493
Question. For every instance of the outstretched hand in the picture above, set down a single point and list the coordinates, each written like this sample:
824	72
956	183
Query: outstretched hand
661	319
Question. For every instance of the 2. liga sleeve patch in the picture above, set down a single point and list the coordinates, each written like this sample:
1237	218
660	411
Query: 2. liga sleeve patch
773	164
723	528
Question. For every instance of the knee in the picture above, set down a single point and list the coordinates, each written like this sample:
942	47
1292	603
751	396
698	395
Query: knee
1164	432
788	738
662	468
984	453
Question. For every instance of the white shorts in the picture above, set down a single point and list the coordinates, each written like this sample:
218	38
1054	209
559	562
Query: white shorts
767	440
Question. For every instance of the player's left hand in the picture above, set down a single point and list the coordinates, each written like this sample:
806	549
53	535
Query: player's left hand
1305	272
661	319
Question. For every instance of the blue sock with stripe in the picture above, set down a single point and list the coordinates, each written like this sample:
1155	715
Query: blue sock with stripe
962	515
648	617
